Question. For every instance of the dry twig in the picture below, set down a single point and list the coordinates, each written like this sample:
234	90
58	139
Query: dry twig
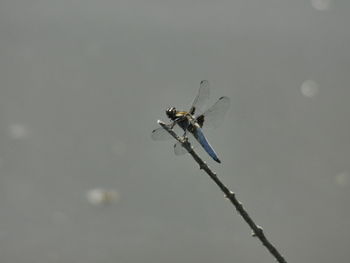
257	230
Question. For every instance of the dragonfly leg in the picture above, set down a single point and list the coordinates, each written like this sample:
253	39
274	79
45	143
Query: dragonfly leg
184	135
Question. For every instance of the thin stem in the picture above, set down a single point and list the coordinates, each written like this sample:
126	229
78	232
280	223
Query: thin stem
257	230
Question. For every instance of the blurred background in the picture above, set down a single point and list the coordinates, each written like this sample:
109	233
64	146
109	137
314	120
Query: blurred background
82	84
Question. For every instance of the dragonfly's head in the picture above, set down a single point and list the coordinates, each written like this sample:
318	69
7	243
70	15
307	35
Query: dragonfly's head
171	113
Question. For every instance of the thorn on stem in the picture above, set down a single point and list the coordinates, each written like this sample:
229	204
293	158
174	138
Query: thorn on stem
230	195
258	232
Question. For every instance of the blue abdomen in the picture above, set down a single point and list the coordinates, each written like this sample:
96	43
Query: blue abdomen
205	144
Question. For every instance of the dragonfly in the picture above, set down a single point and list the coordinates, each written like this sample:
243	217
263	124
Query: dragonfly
193	122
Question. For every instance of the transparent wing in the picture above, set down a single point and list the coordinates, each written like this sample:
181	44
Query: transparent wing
179	150
161	134
214	116
201	99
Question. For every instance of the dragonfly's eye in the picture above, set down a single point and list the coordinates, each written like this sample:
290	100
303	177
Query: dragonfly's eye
171	113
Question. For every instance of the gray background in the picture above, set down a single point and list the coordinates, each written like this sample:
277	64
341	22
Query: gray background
82	84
